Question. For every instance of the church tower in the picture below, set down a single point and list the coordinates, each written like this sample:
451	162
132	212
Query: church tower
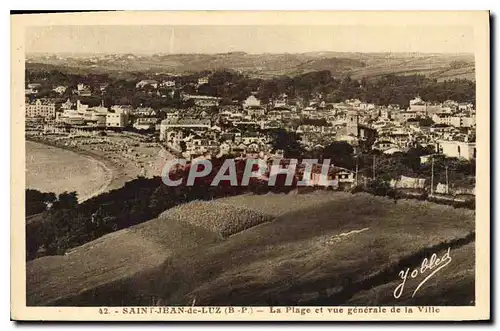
352	123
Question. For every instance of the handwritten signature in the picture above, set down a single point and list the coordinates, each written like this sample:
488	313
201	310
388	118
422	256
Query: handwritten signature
432	265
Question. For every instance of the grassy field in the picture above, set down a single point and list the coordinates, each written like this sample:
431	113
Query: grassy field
320	248
436	66
454	282
121	255
293	260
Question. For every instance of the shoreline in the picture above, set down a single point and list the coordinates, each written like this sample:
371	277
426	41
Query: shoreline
121	168
108	175
109	169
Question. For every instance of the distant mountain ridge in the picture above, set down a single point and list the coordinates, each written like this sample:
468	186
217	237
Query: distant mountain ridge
439	66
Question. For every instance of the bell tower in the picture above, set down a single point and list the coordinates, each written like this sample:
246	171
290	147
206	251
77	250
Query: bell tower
352	123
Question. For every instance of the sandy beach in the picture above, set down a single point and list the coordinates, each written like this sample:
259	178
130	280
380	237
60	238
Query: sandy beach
90	166
52	169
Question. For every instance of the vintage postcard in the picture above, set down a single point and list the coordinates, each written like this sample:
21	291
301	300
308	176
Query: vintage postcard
251	166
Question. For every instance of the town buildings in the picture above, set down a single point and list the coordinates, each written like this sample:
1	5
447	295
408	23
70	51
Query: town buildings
202	80
251	101
32	88
116	120
459	149
203	100
147	82
41	108
168	84
60	89
170	129
83	90
145	123
464	121
201	124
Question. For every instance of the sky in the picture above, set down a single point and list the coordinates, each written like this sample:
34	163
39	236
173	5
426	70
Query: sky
251	39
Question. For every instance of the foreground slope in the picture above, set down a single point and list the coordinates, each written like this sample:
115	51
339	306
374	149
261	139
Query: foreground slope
322	254
321	248
121	255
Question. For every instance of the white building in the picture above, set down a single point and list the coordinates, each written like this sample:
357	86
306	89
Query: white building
459	149
145	123
202	80
456	121
41	108
83	90
385	113
60	89
203	100
67	105
80	107
168	83
147	82
34	86
169	128
418	105
122	109
468	121
406	115
82	87
251	101
255	111
114	120
144	111
71	117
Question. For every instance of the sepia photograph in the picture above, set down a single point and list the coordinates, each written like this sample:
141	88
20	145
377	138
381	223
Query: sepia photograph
198	169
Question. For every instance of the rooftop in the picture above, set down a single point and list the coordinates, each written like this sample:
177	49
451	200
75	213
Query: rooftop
186	121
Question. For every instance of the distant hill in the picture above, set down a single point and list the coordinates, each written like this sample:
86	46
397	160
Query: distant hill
439	66
320	248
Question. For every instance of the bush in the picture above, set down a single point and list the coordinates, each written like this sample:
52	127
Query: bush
357	189
423	196
469	204
379	187
217	217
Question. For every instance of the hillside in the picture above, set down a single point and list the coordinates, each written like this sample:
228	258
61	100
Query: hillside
320	248
122	254
439	66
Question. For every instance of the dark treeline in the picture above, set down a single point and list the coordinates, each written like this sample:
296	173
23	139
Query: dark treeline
233	86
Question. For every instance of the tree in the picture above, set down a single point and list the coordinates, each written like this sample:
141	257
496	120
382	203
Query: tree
33	240
340	154
425	121
36	201
66	200
338	148
288	142
314	121
182	145
379	187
